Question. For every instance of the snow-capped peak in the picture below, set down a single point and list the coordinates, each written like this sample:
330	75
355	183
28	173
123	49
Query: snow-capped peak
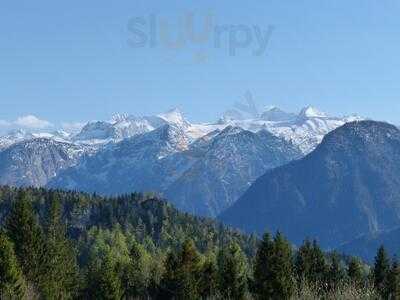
174	116
312	112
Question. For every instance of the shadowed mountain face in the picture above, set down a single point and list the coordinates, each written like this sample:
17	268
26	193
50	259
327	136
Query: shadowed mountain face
203	177
349	186
366	246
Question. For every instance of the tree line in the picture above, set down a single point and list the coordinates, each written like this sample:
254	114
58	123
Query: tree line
40	258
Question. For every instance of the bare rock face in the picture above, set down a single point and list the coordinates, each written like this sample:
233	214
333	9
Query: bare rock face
34	162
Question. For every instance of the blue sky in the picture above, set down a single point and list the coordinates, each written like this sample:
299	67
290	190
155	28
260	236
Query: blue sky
72	61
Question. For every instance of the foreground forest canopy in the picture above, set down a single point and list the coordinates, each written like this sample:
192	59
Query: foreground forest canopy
68	245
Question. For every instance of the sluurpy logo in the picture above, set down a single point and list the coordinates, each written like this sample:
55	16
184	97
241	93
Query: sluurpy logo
157	31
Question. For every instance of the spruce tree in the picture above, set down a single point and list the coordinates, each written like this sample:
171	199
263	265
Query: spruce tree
61	276
182	277
209	278
27	236
103	279
169	282
136	277
262	271
232	272
336	273
281	270
393	281
355	271
381	271
310	263
12	283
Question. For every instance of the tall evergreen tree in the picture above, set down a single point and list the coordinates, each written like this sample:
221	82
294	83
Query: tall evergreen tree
103	279
209	278
136	277
279	278
12	283
336	272
355	271
393	281
262	271
182	280
232	272
27	236
61	276
169	282
381	271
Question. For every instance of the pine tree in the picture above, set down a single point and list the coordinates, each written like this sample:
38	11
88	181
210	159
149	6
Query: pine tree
281	269
393	281
103	279
262	272
27	236
381	271
310	263
232	272
136	277
209	278
182	276
355	271
61	276
12	283
169	282
336	273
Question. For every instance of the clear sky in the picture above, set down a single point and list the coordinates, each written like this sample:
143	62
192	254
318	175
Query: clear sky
75	60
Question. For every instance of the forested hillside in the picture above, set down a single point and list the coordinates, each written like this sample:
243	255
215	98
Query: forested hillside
68	245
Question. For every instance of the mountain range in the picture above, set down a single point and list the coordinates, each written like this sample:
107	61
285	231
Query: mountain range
347	188
202	168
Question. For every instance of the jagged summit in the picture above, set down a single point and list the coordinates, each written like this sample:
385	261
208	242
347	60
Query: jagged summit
174	116
312	112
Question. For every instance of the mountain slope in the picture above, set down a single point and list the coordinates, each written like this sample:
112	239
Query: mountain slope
203	177
34	162
125	166
366	246
347	187
143	217
232	160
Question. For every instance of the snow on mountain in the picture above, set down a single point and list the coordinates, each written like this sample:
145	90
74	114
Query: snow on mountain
275	114
306	130
33	162
311	112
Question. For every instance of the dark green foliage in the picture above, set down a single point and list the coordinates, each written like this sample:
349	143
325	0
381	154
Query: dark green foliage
232	272
136	273
26	234
381	271
355	271
336	273
169	283
12	283
61	275
310	262
274	270
209	278
393	281
103	279
66	245
182	276
262	265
